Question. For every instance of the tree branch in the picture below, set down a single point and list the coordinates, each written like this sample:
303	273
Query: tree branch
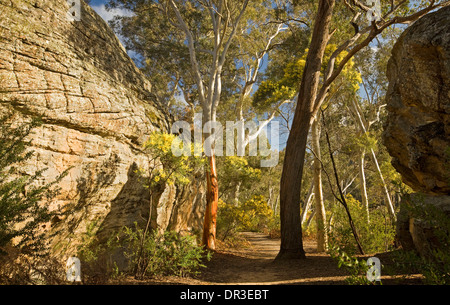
193	57
341	194
375	29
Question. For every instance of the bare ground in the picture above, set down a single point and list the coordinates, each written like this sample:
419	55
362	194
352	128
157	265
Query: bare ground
255	264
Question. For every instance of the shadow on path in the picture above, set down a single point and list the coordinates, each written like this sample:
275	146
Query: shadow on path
256	265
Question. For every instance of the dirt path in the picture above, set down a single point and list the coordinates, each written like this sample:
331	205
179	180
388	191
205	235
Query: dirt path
255	265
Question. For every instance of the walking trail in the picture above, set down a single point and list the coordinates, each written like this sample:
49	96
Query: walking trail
255	265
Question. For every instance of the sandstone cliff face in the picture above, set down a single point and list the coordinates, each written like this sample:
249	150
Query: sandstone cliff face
97	109
417	133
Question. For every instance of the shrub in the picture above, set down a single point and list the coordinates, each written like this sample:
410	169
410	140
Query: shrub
357	268
256	214
376	236
168	253
16	268
20	195
166	167
228	217
97	265
274	226
435	265
251	215
24	257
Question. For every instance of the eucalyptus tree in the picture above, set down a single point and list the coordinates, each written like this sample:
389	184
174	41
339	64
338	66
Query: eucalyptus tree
272	91
207	51
313	91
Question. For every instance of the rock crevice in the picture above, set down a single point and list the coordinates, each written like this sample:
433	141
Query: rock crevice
97	110
417	130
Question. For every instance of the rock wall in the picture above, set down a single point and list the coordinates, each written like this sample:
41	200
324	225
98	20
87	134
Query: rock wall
97	109
417	132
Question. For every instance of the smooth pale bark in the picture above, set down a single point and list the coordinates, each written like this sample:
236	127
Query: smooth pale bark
322	238
291	178
363	186
363	127
309	198
310	218
237	193
209	95
275	207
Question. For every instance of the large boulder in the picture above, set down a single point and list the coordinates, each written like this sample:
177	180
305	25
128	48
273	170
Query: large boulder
98	110
417	134
417	131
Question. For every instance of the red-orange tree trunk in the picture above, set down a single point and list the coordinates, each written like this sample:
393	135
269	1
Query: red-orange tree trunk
212	200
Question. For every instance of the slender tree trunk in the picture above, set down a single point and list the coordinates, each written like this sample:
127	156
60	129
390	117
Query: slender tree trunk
291	178
322	239
310	218
275	207
237	193
308	201
389	204
341	194
362	125
212	200
362	185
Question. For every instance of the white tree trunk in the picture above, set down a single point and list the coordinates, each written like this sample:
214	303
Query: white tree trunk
363	186
308	201
322	239
362	124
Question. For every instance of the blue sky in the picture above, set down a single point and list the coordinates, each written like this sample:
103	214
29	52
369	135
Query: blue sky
99	7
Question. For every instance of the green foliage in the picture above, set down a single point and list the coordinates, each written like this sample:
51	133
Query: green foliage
272	91
227	220
21	211
147	254
97	264
89	249
154	33
376	236
167	253
251	215
274	226
255	214
174	169
146	249
24	255
434	265
235	172
356	267
365	141
435	269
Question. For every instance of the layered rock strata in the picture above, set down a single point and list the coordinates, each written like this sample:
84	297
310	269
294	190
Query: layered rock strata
98	110
417	131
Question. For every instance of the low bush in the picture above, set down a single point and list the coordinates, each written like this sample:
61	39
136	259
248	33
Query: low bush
435	265
251	215
376	236
168	253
